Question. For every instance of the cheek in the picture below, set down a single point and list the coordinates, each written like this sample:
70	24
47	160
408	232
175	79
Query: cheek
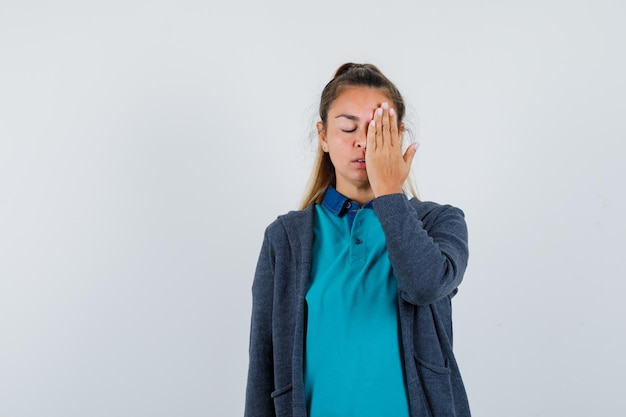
336	147
340	144
342	139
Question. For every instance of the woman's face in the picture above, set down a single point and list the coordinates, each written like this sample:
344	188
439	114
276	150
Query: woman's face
344	137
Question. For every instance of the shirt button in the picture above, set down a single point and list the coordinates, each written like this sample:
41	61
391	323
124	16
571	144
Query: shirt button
358	241
348	204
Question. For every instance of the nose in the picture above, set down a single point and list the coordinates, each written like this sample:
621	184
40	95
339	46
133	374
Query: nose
361	140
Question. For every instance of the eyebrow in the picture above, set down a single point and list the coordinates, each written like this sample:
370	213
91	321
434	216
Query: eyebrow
349	117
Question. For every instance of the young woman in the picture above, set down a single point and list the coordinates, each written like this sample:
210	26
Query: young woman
351	311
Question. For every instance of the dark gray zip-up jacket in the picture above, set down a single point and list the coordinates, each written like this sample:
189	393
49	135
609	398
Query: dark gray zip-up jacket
427	246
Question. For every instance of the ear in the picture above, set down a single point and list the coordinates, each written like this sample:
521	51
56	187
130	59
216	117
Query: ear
401	130
321	133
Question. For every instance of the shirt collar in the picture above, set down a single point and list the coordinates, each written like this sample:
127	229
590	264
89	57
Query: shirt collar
339	204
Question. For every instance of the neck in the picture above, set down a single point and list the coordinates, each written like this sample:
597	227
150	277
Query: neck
361	195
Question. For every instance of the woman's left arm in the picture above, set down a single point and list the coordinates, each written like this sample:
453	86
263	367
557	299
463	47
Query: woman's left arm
428	251
428	254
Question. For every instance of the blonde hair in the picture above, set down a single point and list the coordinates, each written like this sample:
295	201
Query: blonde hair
348	75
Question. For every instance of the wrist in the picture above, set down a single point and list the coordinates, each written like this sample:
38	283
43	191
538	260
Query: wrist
387	191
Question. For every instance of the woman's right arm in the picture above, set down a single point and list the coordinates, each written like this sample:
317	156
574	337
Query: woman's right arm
261	367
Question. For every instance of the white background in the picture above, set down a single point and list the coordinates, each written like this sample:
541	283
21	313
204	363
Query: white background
145	146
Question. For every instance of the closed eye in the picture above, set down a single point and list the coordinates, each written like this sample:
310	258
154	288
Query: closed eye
349	131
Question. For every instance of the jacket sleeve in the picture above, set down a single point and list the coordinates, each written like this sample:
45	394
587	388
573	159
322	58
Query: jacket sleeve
261	368
428	251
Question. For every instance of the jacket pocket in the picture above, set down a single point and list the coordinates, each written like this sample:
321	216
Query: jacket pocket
283	402
436	385
435	368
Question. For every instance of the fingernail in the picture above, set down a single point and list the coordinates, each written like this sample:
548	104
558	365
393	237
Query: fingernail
372	122
391	112
379	111
385	106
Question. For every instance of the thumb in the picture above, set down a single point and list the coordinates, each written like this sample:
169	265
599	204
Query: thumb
410	153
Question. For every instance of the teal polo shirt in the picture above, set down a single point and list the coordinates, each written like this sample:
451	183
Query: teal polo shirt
353	358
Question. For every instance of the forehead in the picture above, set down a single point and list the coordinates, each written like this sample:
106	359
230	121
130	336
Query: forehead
356	100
